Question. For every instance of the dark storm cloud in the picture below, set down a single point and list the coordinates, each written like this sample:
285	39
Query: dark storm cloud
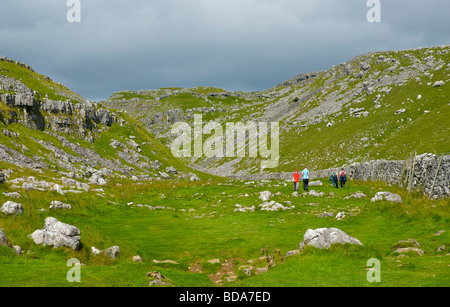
233	44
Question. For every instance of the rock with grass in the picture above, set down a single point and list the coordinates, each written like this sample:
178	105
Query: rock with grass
240	208
10	207
323	238
409	249
265	195
3	240
274	206
387	196
60	205
112	252
315	193
57	234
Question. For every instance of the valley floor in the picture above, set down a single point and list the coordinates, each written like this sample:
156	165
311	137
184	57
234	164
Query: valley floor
192	234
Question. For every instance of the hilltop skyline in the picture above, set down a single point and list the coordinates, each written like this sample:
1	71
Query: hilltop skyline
237	45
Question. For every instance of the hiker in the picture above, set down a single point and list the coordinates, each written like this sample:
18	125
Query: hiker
305	179
334	179
296	180
342	178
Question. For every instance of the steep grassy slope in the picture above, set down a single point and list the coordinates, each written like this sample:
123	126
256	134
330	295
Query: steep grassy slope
47	128
382	105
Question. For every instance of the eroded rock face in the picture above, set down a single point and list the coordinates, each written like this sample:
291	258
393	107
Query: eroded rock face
325	237
57	234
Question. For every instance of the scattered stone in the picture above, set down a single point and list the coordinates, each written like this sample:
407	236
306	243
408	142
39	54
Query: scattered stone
292	253
409	249
98	178
441	248
194	177
112	252
95	251
387	196
316	194
58	189
261	270
137	258
164	175
407	243
240	208
274	206
439	232
159	280
12	194
265	196
57	234
340	216
357	195
171	170
401	111
315	183
438	83
12	208
325	237
3	240
59	205
17	250
214	261
326	214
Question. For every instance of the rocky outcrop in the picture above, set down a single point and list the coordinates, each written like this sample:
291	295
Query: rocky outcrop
57	234
76	118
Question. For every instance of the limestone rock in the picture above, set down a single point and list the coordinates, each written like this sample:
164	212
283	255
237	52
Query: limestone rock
137	258
240	208
59	205
2	178
315	193
274	206
409	249
112	252
265	196
171	170
325	237
12	208
387	196
3	240
57	234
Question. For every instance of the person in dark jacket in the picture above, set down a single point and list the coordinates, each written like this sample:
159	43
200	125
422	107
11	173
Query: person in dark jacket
334	179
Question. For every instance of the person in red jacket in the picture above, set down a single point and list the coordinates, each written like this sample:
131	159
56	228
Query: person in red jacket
296	180
342	178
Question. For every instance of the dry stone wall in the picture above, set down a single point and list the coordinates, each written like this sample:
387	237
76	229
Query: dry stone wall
427	172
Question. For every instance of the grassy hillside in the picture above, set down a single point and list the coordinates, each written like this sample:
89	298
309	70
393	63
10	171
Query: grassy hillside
319	125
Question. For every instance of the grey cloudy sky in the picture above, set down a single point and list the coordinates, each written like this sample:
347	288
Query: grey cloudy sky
233	44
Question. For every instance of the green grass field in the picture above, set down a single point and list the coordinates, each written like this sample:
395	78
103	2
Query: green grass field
199	224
